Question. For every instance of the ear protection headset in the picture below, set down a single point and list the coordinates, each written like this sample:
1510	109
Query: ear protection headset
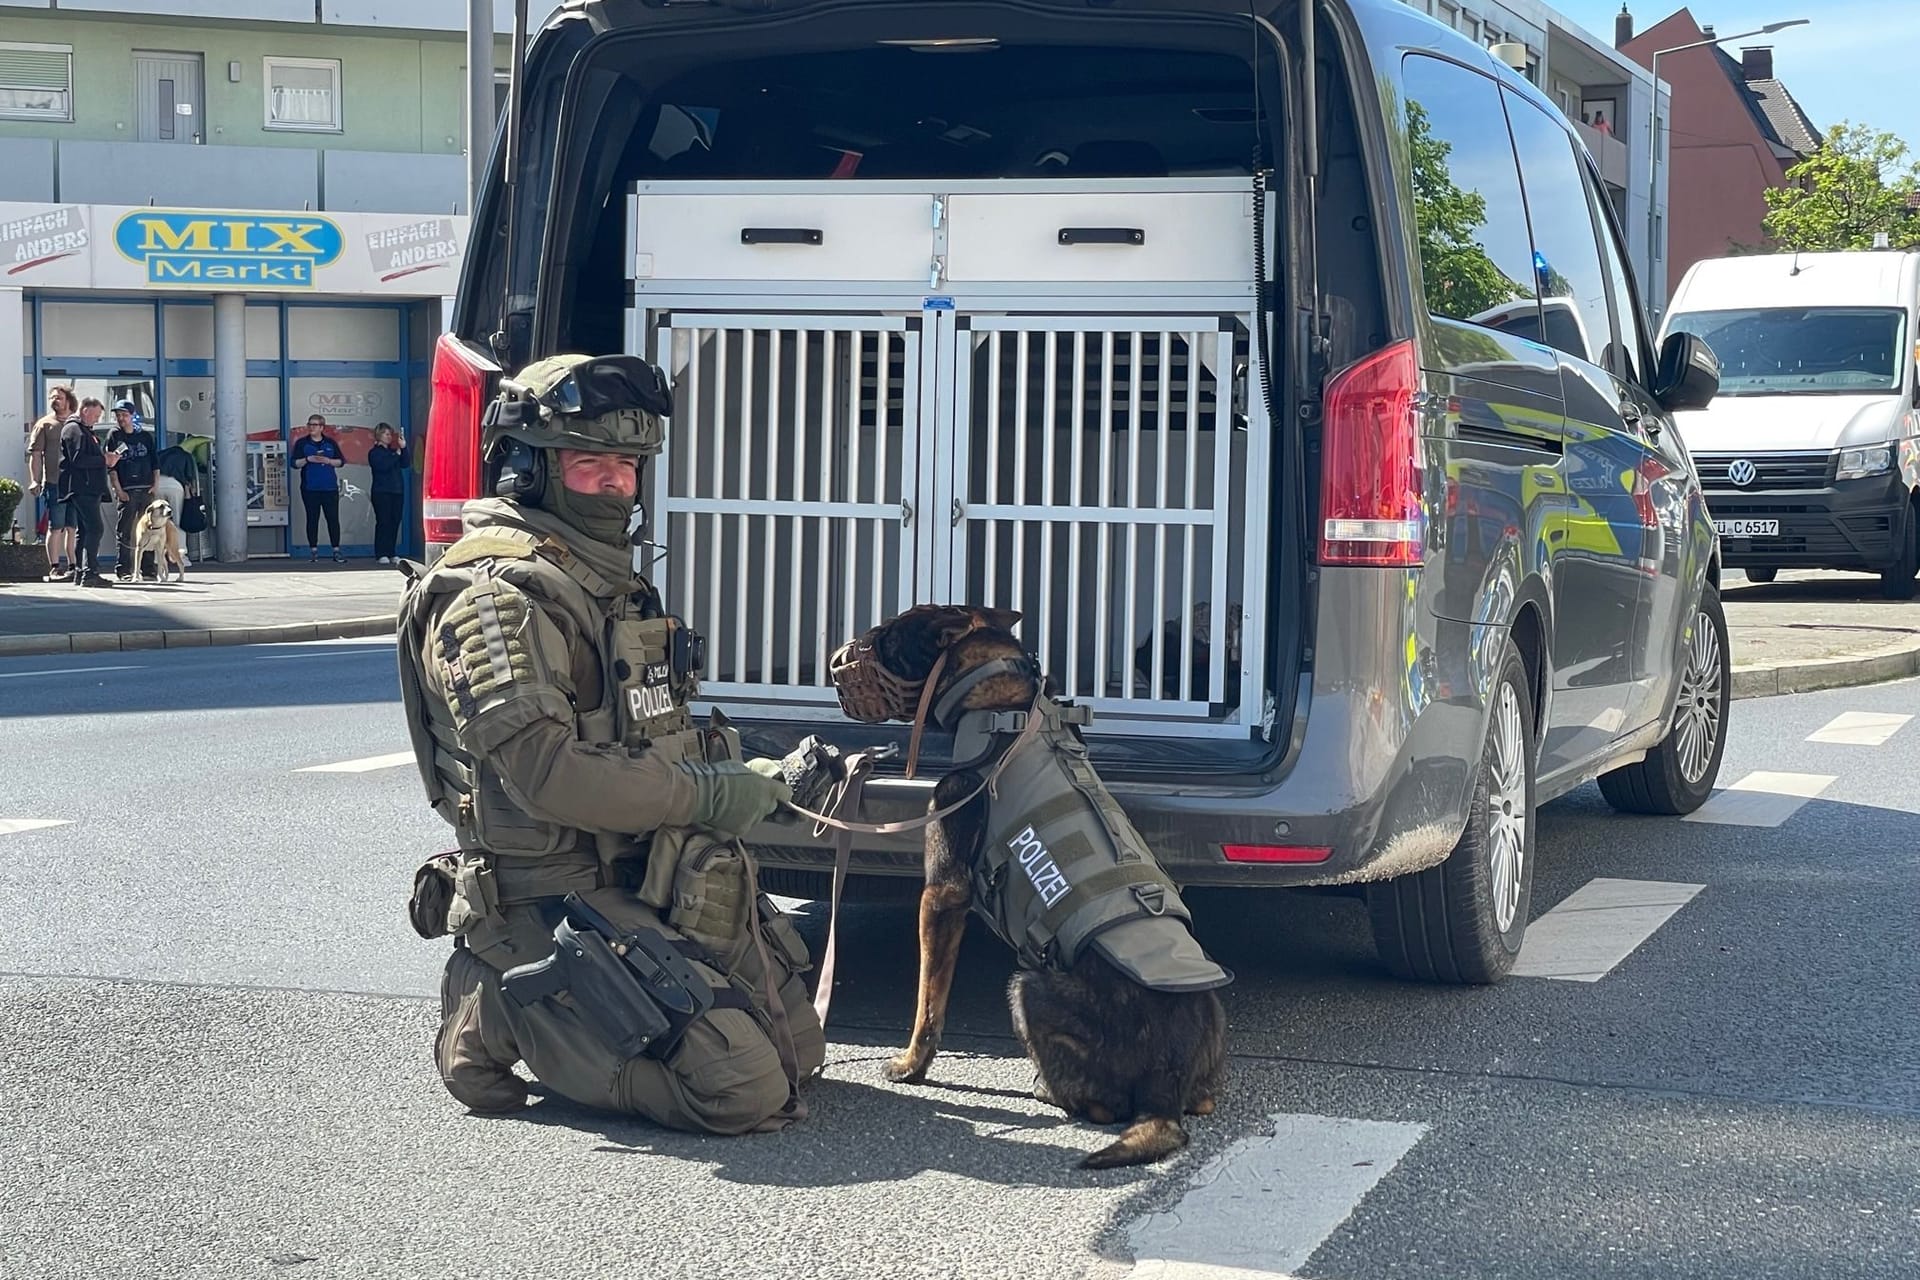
519	470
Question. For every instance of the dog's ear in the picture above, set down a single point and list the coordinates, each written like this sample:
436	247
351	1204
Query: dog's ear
996	619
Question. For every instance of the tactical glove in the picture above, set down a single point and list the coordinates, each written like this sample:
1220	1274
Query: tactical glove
730	798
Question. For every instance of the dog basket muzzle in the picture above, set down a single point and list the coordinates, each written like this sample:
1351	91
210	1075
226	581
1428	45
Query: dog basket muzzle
868	691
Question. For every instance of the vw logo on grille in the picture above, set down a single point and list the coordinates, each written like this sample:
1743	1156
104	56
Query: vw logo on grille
1742	472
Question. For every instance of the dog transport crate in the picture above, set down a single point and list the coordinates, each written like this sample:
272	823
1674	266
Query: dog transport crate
1036	395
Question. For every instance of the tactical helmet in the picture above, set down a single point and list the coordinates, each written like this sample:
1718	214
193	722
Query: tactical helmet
598	404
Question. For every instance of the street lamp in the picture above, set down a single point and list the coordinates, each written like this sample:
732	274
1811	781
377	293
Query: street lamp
1653	123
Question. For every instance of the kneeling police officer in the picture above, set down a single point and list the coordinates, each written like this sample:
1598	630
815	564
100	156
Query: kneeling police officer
608	929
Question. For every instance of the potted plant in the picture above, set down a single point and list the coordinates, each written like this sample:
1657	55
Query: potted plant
20	561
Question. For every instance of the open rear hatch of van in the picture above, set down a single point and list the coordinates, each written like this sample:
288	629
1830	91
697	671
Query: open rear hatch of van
958	301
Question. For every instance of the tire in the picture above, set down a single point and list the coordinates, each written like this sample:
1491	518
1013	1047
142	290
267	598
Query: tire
1677	776
1896	582
1761	576
1463	921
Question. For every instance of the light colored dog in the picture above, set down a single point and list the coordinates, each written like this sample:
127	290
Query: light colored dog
156	534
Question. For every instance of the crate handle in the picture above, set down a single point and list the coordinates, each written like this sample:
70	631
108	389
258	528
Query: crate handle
1103	235
780	235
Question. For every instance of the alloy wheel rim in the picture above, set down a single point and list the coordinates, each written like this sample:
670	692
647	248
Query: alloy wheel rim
1697	727
1507	808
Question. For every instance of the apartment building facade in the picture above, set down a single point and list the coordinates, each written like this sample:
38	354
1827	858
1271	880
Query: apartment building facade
264	198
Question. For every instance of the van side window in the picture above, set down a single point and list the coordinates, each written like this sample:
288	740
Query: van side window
1475	258
1573	286
1630	357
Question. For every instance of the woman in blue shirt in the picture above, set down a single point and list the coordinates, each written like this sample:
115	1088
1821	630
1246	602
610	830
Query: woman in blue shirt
318	460
388	458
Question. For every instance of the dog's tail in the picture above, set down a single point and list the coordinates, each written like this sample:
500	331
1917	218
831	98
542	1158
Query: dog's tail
1147	1139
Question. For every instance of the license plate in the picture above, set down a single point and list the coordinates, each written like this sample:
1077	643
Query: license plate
1747	528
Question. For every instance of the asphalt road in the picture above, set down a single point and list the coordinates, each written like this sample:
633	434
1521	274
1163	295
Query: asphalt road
215	1029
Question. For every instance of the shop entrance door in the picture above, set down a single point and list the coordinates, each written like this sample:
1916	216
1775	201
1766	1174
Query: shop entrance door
167	93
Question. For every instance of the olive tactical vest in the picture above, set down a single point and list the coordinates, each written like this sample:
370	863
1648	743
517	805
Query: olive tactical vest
642	706
1063	869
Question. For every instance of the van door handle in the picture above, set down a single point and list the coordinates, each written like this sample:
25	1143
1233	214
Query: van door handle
1103	235
781	235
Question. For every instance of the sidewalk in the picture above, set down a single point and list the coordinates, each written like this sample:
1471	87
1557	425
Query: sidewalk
1806	631
262	601
1817	630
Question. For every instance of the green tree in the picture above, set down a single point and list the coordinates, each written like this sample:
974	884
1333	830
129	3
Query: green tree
1858	183
1461	279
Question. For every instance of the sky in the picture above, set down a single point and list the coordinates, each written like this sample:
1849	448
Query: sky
1855	60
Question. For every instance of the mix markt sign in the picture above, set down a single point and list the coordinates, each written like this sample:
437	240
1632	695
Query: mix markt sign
230	250
129	248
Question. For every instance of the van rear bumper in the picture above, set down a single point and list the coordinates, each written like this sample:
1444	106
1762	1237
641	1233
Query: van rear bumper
1382	777
1852	524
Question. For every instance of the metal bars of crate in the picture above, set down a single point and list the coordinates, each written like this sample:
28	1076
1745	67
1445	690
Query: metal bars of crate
784	490
1102	492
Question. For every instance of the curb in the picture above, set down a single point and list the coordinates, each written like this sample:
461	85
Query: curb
1894	663
194	638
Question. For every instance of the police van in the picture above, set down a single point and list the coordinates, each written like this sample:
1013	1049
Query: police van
1809	453
1128	316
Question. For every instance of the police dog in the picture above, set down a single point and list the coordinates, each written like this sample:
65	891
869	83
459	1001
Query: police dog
156	534
1103	1046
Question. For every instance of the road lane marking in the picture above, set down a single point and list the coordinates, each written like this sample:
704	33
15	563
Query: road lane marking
367	765
9	826
1262	1206
1762	799
1600	924
67	671
1860	728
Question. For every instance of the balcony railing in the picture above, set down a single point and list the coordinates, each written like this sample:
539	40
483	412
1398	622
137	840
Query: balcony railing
1609	152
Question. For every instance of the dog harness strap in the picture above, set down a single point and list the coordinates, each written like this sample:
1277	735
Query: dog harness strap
947	710
920	713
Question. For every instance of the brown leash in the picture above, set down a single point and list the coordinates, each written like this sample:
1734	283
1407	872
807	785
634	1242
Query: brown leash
846	800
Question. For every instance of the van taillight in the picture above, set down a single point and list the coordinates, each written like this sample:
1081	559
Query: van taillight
1370	463
453	437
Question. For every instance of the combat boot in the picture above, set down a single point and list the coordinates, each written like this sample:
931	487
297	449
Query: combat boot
475	1049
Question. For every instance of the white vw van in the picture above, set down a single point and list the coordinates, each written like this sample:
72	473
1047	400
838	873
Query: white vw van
1808	454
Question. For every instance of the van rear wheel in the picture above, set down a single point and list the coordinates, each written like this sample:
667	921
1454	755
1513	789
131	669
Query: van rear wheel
1761	576
1463	921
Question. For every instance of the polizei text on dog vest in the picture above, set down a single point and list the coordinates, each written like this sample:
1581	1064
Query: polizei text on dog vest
1038	863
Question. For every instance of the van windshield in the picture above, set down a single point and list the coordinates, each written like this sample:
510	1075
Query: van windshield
1772	351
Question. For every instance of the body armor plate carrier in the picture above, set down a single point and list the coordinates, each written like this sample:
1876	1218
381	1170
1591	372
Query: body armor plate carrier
1063	867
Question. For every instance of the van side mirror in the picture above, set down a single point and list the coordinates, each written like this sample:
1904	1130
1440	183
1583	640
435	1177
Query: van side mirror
1689	373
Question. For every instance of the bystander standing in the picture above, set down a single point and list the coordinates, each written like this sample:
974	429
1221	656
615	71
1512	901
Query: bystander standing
388	459
83	486
43	480
134	452
318	461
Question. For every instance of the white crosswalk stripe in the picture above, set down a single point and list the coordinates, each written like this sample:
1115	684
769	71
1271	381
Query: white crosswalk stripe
9	826
391	760
1762	799
1261	1207
1860	728
1600	924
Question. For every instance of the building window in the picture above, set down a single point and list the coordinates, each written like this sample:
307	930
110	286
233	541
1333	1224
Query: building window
303	94
36	81
1449	14
1471	26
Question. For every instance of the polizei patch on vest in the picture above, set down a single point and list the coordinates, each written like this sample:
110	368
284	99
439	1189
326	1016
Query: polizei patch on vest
1042	871
653	696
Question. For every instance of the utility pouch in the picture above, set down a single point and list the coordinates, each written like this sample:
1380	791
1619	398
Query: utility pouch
788	947
703	887
635	990
452	892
